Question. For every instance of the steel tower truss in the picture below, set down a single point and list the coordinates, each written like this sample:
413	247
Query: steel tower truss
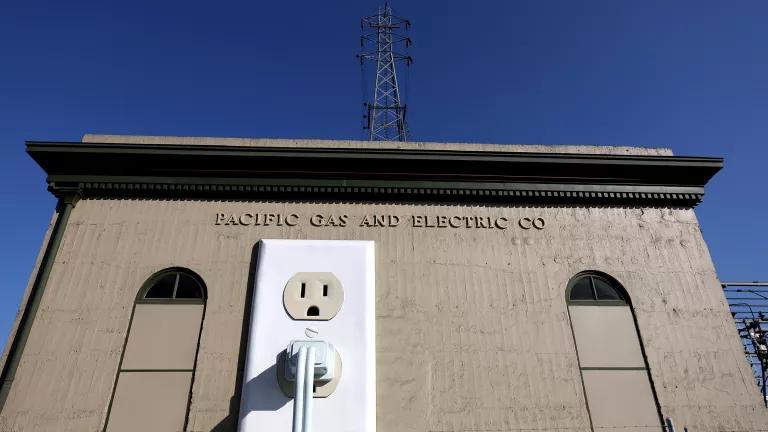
382	34
749	306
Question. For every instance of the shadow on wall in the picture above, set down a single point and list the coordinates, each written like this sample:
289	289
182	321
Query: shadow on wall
269	396
270	401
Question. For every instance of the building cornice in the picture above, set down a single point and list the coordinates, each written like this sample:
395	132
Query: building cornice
111	170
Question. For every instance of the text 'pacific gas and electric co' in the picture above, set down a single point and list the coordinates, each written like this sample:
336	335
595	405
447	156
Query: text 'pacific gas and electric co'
380	221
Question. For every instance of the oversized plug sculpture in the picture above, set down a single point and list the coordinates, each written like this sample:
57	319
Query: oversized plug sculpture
307	362
318	298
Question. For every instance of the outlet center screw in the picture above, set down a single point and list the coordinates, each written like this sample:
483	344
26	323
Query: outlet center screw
312	332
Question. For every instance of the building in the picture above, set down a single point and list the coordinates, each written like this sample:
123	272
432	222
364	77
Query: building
536	288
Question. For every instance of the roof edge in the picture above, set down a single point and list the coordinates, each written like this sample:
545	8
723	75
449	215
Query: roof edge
364	173
351	144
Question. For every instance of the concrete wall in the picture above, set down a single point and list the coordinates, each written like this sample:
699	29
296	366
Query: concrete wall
472	325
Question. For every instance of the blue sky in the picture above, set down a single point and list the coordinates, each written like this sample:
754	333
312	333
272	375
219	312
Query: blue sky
690	75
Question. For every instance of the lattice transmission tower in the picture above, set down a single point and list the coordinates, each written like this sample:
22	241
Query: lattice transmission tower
382	35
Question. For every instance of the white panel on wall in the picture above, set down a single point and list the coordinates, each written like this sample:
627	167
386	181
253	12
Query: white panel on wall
352	406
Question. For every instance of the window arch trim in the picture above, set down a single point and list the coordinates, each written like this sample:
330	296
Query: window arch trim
157	276
592	275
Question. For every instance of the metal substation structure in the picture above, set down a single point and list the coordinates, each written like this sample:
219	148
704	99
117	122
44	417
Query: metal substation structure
748	302
382	34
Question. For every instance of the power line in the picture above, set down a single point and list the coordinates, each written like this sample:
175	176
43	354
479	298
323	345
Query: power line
748	302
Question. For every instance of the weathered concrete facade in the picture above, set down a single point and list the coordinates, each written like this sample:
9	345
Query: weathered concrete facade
473	332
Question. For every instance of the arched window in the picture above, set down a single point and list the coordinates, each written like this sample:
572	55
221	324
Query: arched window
174	284
594	288
152	390
614	371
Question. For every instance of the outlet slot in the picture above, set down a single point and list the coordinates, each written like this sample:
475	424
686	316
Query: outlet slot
313	296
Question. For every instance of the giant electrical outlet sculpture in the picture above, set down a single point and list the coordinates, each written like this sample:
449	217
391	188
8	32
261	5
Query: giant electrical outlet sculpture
311	363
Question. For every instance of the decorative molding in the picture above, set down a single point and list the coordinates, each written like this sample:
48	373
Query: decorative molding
376	193
220	172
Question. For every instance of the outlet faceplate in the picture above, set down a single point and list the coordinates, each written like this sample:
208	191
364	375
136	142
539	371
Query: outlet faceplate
314	296
346	403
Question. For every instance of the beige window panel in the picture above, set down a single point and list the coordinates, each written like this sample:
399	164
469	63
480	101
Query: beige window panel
163	336
134	410
606	336
611	392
